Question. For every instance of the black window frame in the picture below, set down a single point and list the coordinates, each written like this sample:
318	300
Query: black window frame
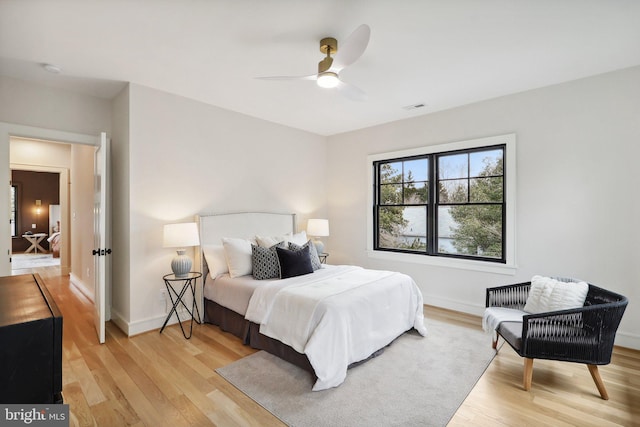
433	202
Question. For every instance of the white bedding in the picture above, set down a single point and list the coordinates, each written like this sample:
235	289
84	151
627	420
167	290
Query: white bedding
338	315
232	293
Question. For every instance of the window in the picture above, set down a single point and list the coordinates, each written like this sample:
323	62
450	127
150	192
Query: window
448	201
14	211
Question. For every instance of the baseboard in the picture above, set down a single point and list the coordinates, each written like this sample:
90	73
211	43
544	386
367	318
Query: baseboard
623	339
145	325
454	305
65	270
120	321
81	286
628	340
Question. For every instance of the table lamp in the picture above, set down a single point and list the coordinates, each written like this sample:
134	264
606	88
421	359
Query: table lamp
318	228
181	236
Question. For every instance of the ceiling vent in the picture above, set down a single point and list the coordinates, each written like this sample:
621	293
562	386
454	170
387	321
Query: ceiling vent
414	106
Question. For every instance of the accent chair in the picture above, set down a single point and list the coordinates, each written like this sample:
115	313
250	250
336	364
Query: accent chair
580	335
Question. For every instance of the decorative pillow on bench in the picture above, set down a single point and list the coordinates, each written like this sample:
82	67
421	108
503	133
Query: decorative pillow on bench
547	294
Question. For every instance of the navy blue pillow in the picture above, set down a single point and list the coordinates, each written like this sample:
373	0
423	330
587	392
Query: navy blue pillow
294	263
313	253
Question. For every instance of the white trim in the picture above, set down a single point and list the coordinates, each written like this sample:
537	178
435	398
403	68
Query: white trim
81	286
148	324
628	340
32	132
64	198
120	322
459	263
510	267
452	304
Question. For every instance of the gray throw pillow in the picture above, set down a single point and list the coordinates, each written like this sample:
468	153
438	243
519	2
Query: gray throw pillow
265	262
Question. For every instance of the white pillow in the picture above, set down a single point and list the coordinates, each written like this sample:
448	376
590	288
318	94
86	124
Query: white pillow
298	238
214	255
237	252
267	242
547	294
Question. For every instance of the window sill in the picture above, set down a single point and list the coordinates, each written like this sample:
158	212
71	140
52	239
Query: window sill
463	264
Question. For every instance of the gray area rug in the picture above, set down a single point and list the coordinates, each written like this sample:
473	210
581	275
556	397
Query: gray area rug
22	261
417	381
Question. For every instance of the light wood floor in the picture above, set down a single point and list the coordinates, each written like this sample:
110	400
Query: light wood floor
164	380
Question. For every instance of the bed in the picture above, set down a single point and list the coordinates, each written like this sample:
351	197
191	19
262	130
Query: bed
324	320
54	244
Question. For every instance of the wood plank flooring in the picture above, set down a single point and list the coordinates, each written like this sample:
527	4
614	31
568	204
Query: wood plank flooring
164	380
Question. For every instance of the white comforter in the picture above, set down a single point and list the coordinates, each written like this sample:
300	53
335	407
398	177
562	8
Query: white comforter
338	315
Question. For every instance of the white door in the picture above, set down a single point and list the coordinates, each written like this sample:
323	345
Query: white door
102	234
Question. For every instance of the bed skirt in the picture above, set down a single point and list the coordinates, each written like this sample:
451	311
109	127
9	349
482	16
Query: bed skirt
234	323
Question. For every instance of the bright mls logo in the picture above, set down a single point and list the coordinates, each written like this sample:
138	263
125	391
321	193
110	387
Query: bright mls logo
37	415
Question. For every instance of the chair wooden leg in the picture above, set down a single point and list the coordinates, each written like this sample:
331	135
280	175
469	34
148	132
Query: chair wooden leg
528	373
494	340
595	374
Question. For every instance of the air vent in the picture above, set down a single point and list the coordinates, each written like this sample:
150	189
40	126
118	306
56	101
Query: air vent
414	106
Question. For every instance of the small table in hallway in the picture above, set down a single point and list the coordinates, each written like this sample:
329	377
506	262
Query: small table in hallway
35	240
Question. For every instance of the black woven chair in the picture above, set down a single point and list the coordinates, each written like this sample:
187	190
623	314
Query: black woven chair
582	335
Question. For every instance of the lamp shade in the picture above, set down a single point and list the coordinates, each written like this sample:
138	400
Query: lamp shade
181	235
318	227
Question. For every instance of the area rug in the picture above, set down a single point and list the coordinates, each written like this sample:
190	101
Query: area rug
22	261
417	381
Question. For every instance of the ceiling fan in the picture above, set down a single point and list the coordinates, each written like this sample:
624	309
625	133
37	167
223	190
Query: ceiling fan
329	68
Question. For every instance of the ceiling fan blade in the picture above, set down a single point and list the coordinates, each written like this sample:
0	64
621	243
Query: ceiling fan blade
311	77
352	48
352	92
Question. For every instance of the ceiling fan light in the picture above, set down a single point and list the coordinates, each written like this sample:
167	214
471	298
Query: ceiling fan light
328	80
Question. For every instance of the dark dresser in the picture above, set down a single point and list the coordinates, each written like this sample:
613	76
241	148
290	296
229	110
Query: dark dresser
30	342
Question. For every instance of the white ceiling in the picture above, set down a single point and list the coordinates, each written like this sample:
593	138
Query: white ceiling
440	53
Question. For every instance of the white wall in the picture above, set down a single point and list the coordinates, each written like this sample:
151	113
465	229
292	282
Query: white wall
577	204
81	218
40	153
187	158
25	103
120	210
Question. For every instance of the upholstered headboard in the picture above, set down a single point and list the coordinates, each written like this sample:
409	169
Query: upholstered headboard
213	227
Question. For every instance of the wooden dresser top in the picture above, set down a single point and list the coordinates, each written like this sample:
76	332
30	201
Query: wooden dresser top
22	300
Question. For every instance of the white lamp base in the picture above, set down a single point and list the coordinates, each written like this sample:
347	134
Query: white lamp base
181	264
319	245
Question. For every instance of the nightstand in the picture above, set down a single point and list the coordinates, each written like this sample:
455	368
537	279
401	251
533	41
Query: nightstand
187	282
323	257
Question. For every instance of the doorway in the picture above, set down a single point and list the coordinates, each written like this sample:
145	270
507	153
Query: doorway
35	220
74	166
